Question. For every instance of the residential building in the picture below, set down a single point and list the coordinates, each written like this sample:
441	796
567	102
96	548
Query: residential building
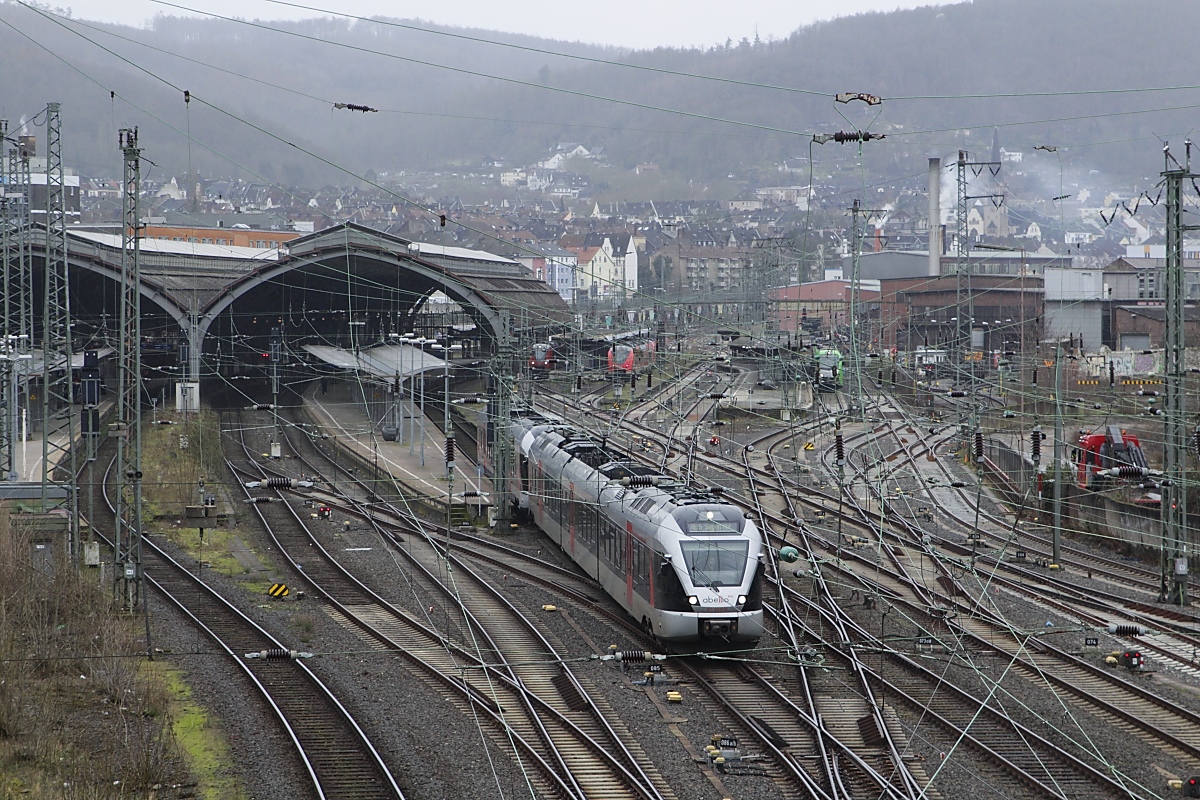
597	277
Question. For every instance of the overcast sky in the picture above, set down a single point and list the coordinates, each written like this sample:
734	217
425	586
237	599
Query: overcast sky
626	23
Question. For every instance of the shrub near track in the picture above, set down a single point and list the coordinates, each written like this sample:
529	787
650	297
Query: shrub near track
80	718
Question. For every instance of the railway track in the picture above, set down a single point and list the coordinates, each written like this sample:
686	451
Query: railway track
800	777
484	649
337	755
907	585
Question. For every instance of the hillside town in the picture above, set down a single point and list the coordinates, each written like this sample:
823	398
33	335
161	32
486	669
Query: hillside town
1083	262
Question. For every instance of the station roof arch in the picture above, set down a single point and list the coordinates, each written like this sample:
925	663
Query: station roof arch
187	278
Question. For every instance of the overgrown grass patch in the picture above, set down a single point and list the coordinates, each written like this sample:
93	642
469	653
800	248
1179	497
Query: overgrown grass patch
202	742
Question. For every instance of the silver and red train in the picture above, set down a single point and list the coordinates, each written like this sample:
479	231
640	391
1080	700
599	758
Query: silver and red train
682	561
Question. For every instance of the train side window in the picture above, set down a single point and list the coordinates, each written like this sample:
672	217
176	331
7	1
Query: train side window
641	569
587	525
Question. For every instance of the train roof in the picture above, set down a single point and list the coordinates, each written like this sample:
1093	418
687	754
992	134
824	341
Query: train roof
617	467
616	470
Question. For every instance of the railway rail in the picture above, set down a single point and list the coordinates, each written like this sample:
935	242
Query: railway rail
335	752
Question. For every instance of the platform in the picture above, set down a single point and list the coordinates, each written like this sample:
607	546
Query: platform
419	471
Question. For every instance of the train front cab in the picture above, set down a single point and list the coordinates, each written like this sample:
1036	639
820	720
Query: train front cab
711	589
676	619
1102	451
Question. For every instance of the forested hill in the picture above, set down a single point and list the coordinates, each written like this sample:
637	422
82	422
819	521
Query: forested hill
440	99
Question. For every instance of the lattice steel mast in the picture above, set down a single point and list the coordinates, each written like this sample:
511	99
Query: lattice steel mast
501	419
128	555
964	305
1175	547
58	449
9	380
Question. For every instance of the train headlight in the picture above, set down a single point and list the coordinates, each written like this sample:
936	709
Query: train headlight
693	600
741	600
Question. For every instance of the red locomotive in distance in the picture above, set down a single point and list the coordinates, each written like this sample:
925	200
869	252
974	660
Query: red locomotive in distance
1114	448
544	358
630	357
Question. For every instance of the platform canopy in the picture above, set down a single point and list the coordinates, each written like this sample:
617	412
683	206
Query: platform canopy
389	361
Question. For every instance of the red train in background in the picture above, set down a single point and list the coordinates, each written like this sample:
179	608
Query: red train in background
635	357
543	357
1103	451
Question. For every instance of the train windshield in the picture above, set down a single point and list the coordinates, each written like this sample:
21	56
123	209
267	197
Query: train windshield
716	563
540	351
621	352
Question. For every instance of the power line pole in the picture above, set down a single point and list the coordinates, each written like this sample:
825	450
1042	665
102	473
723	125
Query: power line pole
10	378
57	399
1173	561
964	305
128	545
1059	476
856	365
501	419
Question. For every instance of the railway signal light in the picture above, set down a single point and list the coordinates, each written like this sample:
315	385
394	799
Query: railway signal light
714	440
1191	787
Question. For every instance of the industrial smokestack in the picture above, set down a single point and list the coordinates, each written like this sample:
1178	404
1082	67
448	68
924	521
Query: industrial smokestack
935	217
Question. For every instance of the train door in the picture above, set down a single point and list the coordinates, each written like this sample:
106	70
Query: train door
538	487
571	516
640	569
629	570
